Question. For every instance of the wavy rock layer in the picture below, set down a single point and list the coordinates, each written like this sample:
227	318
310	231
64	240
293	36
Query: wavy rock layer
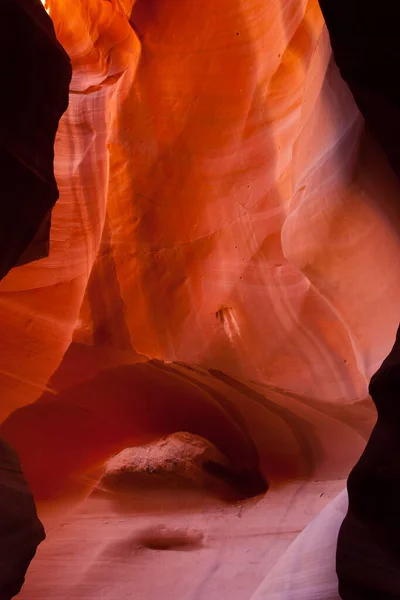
220	205
201	182
159	520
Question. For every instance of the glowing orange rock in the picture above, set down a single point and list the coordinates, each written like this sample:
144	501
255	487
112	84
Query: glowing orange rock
219	205
194	181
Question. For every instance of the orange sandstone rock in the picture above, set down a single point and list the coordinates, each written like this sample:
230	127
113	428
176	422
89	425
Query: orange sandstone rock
220	205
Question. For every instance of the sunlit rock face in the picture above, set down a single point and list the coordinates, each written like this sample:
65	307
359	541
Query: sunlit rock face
225	232
206	177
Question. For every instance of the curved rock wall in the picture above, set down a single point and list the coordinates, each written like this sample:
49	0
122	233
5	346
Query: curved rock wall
215	169
222	205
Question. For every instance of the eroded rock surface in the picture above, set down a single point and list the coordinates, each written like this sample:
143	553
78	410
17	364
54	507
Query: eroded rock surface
224	235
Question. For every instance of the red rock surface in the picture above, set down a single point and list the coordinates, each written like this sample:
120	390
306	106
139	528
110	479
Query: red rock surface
222	210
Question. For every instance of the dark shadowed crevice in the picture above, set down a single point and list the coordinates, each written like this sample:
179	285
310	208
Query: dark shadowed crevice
35	74
365	43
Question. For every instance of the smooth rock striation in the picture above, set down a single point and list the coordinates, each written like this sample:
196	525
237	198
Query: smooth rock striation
223	261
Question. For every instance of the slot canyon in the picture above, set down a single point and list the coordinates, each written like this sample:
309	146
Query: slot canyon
200	273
